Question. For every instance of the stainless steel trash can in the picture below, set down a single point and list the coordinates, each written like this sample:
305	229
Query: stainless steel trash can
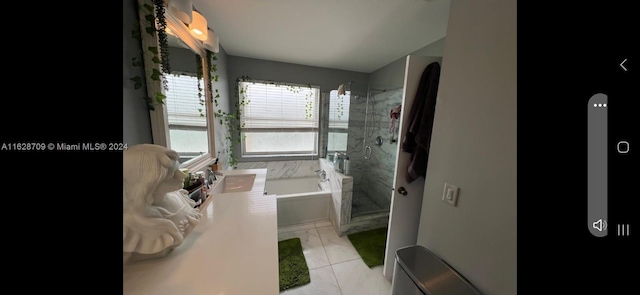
418	271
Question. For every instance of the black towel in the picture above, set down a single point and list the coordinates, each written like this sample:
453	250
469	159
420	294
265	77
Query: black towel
418	135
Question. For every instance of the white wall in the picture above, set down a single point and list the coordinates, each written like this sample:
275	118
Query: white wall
474	147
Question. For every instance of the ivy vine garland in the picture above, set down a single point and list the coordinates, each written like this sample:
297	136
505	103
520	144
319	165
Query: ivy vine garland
162	37
199	74
154	16
211	56
232	120
308	106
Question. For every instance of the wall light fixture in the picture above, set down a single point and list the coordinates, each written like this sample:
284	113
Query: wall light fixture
181	9
198	26
212	43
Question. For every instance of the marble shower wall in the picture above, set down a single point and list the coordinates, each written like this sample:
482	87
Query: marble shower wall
373	178
284	169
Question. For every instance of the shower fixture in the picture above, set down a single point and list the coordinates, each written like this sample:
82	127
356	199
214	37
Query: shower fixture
379	140
342	89
368	132
367	152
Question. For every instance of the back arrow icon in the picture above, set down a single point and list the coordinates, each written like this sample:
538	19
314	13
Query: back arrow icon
622	64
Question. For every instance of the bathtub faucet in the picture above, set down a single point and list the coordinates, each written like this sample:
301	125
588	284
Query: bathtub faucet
322	173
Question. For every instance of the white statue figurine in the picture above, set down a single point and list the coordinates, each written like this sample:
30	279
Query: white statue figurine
157	212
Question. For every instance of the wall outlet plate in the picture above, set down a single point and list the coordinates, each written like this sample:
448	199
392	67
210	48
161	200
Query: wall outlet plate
450	194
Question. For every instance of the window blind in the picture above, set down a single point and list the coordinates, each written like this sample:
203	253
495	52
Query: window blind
339	109
279	106
182	101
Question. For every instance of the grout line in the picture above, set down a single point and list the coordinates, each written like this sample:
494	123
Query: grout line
323	249
336	277
345	261
330	265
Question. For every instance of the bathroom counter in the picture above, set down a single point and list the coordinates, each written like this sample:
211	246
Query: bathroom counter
233	250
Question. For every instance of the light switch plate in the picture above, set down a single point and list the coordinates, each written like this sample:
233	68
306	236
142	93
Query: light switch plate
450	194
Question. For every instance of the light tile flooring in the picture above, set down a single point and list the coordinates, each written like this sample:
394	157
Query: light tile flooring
334	265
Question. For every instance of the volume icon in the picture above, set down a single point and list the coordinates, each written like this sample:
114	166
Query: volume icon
623	230
600	225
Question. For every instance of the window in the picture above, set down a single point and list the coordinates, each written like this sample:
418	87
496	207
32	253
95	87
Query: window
338	121
279	119
185	115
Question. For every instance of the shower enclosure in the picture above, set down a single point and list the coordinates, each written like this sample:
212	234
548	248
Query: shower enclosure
360	125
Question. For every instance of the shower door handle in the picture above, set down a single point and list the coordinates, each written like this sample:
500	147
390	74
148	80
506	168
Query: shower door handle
402	191
367	152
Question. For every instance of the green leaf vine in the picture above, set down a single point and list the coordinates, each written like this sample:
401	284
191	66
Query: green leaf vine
231	120
162	36
340	106
199	75
211	56
156	26
309	102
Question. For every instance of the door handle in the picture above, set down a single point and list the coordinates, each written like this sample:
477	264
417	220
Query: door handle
402	191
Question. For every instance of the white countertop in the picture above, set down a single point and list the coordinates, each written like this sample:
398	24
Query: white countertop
233	250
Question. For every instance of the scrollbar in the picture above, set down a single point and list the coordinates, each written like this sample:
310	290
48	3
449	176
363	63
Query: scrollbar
597	165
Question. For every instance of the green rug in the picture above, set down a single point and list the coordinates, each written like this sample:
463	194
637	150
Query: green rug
370	245
293	267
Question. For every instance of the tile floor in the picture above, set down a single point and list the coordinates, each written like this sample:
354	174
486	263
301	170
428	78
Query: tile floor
334	265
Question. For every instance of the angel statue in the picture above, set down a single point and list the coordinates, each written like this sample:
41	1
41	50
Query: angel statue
157	212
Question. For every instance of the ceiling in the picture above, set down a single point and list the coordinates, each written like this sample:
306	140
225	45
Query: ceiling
354	35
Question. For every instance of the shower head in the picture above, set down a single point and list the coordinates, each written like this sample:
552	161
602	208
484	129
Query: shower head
371	90
344	88
360	98
363	98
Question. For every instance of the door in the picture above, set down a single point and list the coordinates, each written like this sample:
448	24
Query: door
404	216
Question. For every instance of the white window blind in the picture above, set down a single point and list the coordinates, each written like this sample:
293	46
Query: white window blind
182	101
339	109
279	119
279	106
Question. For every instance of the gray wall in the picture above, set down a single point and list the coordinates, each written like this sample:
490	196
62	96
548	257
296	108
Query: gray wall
474	147
327	79
434	49
182	60
391	76
136	125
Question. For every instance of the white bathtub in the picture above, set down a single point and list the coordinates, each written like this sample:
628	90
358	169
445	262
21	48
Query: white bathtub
300	200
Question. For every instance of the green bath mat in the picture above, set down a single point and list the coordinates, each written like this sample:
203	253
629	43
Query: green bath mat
370	245
293	267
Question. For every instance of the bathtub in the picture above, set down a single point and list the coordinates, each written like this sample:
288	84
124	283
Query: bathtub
299	200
